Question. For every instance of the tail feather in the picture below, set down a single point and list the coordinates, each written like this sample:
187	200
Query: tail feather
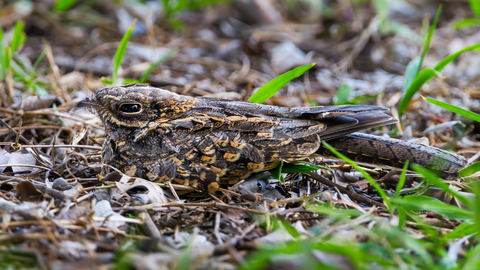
384	151
339	126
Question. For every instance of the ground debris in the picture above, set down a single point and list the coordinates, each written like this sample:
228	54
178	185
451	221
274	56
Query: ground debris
58	210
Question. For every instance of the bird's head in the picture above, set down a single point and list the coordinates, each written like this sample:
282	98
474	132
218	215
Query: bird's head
135	105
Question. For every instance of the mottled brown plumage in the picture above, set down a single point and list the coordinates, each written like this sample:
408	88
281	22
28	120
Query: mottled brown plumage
203	142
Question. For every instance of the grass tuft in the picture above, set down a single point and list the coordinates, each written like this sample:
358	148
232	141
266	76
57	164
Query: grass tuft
122	48
272	87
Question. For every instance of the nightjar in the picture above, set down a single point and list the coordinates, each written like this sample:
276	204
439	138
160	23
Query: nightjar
205	142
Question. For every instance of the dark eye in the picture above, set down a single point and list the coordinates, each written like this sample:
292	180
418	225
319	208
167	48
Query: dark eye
130	108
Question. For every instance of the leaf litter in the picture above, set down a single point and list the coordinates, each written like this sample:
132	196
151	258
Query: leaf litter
61	209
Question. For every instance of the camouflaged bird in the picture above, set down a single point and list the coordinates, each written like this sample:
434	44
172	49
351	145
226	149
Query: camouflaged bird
205	142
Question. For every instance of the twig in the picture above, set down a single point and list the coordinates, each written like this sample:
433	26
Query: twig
51	113
25	165
173	204
37	155
229	192
42	187
149	226
56	146
170	186
56	85
37	127
299	199
352	195
216	230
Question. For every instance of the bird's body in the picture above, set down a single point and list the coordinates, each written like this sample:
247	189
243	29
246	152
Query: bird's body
203	142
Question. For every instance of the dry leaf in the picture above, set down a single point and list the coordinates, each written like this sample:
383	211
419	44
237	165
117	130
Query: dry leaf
104	209
26	191
76	190
61	184
154	192
18	158
6	206
32	103
4	157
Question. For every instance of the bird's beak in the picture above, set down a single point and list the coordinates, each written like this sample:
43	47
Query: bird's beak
87	102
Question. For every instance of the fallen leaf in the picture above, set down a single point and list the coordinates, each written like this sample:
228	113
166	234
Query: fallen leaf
154	192
104	209
61	184
26	191
32	103
27	159
76	190
4	157
114	176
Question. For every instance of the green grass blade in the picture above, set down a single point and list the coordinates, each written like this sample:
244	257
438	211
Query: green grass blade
419	202
427	74
364	173
472	258
401	181
475	5
20	62
312	102
150	69
411	72
343	95
8	57
316	165
460	231
412	85
203	3
420	80
430	176
475	167
34	75
429	37
122	48
465	23
272	87
43	71
3	57
18	36
283	225
18	71
129	81
40	91
296	168
37	62
64	5
106	81
361	99
402	217
476	209
2	64
177	25
277	172
454	109
447	60
185	259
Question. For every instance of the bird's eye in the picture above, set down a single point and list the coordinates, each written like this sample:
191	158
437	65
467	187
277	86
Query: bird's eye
131	108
